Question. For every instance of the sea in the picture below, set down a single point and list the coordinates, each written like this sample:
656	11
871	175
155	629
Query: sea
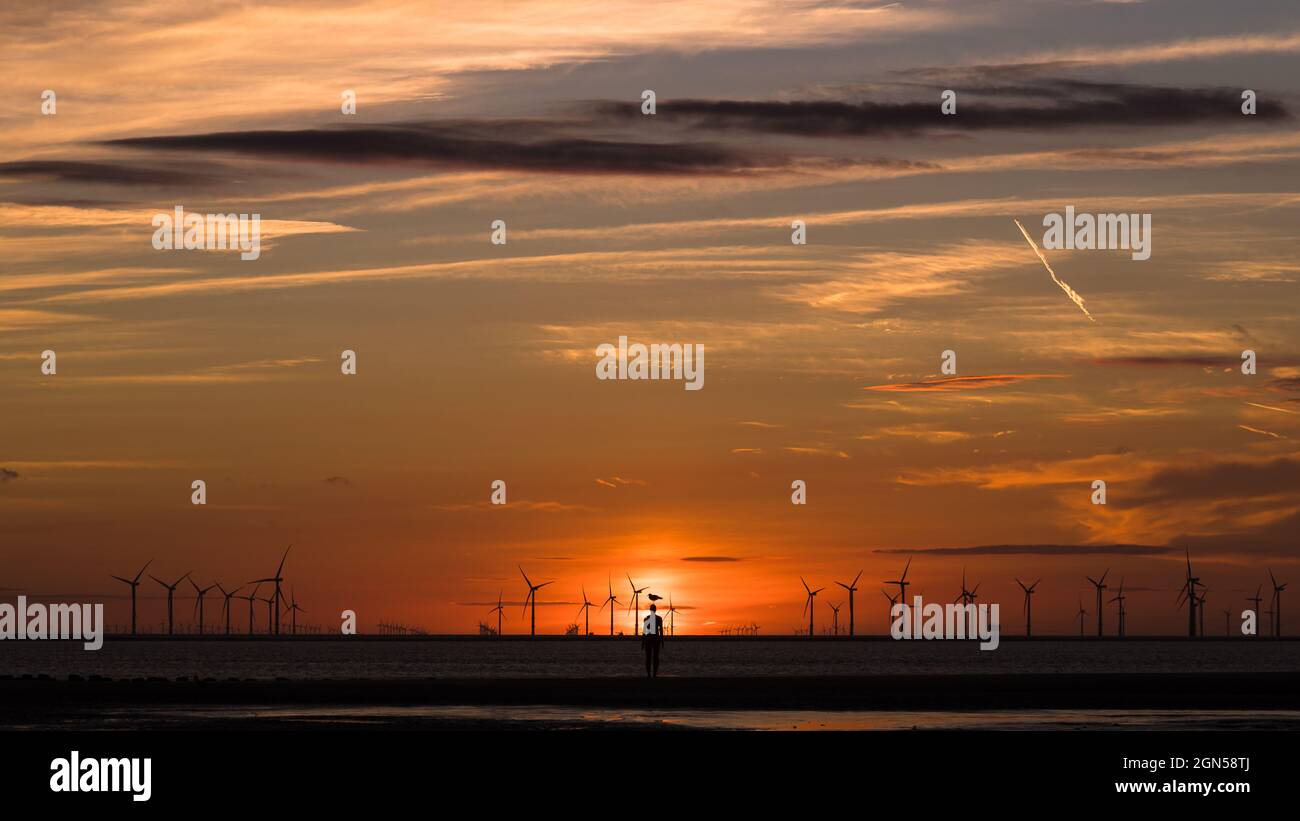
393	658
554	657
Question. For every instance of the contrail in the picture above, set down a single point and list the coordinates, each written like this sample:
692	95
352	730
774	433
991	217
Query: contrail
1249	429
1270	407
1070	292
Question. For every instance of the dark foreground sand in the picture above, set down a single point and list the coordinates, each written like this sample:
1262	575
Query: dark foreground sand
35	702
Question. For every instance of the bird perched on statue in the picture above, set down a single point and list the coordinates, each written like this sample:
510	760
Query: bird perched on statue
653	597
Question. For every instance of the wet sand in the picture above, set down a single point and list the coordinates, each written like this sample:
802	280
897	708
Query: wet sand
47	702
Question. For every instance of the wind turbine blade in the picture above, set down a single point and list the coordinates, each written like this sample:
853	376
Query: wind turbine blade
282	558
903	578
805	584
855	579
120	579
1104	575
146	567
527	580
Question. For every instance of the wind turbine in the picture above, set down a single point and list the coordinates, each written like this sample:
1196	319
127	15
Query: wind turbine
672	611
198	603
902	582
1277	604
893	600
272	615
968	597
1200	606
1123	614
532	597
809	606
586	608
171	591
499	610
611	601
1188	593
277	578
294	610
1100	585
965	596
250	598
1029	606
852	587
1080	616
134	584
835	609
1256	599
225	605
636	602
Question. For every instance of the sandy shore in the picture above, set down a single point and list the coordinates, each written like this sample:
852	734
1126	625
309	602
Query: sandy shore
1211	691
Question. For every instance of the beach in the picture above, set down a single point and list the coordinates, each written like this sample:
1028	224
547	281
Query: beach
49	703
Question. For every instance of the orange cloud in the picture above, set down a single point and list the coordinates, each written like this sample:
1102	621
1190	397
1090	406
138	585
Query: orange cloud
963	383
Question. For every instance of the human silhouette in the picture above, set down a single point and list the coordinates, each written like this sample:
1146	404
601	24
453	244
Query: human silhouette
652	638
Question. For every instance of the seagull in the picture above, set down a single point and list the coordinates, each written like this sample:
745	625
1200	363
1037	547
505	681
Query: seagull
653	597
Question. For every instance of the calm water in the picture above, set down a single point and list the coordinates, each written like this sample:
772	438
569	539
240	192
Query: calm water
579	658
523	716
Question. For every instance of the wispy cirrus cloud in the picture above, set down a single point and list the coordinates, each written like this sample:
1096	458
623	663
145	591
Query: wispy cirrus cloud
962	383
261	370
619	481
1191	48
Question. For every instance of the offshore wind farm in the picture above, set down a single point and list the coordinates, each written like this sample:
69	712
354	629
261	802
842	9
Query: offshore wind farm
330	388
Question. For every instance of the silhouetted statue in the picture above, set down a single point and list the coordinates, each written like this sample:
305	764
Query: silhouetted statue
652	638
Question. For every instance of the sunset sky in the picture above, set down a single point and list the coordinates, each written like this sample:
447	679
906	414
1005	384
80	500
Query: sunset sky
477	362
